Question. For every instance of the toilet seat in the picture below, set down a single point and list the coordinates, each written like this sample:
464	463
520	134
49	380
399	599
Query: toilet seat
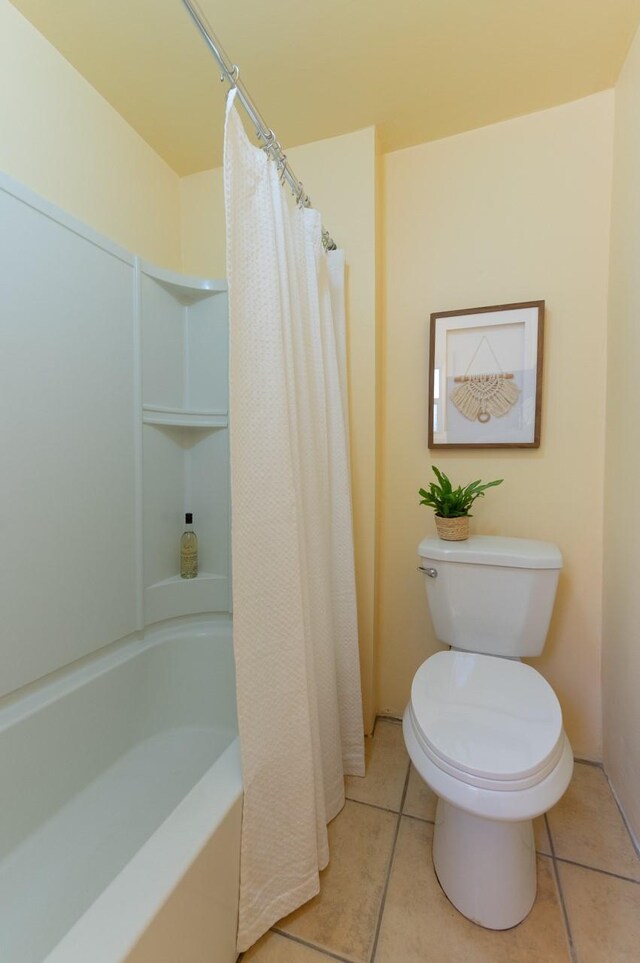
489	722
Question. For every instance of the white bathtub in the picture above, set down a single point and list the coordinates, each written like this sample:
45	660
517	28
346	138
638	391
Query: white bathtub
120	807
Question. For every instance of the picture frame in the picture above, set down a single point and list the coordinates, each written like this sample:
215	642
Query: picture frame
485	376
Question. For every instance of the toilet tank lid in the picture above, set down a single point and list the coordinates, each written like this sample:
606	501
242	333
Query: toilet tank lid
493	550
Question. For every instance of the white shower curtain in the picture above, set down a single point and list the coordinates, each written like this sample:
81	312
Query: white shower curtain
295	631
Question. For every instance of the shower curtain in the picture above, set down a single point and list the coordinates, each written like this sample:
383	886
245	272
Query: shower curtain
295	631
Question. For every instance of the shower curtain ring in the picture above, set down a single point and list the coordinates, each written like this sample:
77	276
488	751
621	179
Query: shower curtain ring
327	241
269	140
232	75
281	167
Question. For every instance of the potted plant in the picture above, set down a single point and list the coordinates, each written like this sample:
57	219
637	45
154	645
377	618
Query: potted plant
452	505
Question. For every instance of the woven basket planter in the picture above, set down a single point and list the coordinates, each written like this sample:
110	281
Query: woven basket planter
453	529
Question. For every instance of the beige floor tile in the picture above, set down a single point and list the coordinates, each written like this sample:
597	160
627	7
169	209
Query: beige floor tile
542	836
273	948
419	924
604	915
387	762
343	917
586	826
420	801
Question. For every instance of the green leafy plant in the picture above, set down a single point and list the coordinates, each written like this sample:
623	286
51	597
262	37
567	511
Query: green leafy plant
450	502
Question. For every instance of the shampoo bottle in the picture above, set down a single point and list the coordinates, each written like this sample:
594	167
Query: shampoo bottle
188	550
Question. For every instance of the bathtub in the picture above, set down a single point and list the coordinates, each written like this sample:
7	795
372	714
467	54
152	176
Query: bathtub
120	806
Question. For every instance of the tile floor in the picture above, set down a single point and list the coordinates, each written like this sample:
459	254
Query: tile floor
381	903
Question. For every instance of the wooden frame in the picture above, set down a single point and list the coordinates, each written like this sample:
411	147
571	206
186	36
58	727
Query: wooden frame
485	376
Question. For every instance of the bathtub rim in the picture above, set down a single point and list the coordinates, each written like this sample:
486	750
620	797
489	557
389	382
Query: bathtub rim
113	923
19	705
142	887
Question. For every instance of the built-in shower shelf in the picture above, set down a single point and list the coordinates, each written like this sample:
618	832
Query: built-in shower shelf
183	339
183	418
186	290
186	596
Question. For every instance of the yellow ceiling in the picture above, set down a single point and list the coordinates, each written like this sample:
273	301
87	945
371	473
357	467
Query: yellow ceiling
417	69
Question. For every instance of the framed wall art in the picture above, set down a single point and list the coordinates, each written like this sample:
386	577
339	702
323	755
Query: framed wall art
485	377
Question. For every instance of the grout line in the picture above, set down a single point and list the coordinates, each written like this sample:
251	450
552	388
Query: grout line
547	824
565	914
634	842
383	898
420	819
563	906
384	809
406	787
574	862
596	869
312	946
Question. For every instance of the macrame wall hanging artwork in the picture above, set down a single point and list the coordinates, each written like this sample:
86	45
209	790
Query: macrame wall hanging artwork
480	397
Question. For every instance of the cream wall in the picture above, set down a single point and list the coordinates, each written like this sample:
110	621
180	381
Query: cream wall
513	212
621	636
202	224
340	174
59	137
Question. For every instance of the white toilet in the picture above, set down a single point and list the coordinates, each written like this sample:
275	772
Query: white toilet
483	729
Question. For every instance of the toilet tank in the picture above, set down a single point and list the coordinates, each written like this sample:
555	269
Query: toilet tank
491	594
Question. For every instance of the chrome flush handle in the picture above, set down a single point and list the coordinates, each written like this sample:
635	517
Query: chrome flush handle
431	572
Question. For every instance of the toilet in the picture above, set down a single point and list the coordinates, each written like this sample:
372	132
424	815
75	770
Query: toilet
483	729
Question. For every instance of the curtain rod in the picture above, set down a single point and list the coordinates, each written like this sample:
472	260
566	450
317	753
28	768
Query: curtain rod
271	145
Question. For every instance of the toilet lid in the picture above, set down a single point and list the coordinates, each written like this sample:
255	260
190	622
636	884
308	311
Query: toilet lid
486	717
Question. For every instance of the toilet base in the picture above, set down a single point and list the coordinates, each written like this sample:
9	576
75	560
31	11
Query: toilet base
487	868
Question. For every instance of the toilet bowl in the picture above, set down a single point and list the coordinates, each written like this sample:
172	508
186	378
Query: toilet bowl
486	735
483	729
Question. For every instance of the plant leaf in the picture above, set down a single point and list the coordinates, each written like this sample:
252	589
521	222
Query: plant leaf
449	502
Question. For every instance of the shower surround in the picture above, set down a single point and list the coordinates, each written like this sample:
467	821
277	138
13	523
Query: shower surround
121	791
